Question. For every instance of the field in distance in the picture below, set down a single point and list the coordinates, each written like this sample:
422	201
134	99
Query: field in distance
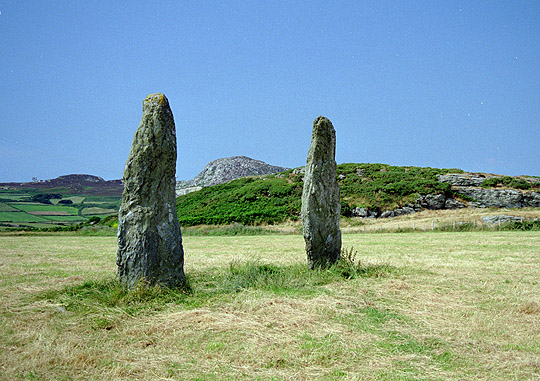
27	208
417	306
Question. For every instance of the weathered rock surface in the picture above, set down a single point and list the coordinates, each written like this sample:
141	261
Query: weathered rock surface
222	170
493	198
149	237
491	220
532	199
320	197
464	179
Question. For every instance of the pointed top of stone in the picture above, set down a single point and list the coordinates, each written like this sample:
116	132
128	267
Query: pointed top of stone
155	99
323	140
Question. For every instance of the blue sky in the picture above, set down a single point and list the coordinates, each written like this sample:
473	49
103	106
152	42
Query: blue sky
447	84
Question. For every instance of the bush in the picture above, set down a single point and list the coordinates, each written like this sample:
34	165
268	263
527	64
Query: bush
45	198
508	181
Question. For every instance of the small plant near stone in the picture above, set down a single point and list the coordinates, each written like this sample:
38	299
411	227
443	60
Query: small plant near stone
350	267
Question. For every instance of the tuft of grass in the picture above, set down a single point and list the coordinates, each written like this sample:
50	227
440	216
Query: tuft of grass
93	297
350	267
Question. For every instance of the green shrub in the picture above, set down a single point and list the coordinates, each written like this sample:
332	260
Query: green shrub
525	225
508	181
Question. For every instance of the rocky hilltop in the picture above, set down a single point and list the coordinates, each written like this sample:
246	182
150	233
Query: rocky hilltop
222	170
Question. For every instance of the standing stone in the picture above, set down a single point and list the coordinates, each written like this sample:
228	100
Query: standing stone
320	197
149	237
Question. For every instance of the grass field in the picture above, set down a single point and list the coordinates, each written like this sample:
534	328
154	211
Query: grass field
6	208
424	306
19	217
93	211
29	207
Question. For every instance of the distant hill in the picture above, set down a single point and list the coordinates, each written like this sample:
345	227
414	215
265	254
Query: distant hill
63	202
222	170
367	190
74	184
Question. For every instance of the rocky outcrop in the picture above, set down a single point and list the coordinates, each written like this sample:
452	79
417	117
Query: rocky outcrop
469	185
149	237
464	179
320	198
493	198
222	170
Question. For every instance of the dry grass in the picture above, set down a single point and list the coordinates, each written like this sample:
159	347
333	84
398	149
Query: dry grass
456	306
423	221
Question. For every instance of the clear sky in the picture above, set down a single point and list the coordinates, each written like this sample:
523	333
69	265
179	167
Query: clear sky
447	84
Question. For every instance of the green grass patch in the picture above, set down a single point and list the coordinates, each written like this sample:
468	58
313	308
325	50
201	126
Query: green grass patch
9	196
223	230
64	218
28	207
201	287
20	217
6	208
92	211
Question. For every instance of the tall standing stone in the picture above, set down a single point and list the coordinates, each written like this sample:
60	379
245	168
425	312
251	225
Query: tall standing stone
320	198
149	237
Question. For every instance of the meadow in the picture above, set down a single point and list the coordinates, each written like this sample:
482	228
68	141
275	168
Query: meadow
18	210
433	306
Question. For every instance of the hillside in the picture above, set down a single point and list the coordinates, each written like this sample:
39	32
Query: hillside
80	184
367	190
65	200
222	170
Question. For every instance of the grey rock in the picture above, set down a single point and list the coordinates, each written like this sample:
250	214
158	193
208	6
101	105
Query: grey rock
431	201
149	237
360	212
404	211
388	214
531	199
226	169
182	191
500	219
493	198
299	170
463	179
320	198
451	203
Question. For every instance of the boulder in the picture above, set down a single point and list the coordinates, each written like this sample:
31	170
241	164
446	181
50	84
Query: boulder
320	198
360	212
149	238
451	203
431	201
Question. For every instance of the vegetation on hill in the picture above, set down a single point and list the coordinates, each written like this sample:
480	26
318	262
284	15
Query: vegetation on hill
508	181
276	198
